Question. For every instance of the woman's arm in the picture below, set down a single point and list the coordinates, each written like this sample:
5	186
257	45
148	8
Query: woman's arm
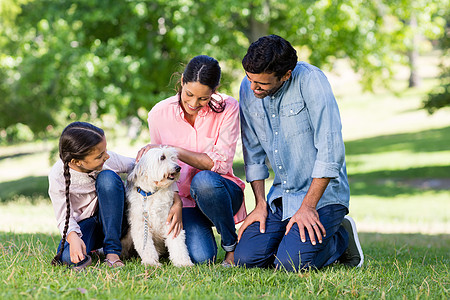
217	157
198	160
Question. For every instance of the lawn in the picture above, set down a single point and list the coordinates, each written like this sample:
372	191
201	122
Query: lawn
398	161
410	266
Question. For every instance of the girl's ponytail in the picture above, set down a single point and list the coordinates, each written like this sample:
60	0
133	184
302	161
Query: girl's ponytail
57	259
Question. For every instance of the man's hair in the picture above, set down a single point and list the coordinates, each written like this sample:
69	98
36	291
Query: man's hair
270	54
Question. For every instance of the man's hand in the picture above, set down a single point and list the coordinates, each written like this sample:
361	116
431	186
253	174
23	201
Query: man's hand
175	218
259	214
77	247
307	217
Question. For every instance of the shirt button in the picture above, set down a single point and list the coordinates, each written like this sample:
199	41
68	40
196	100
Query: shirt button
287	191
276	151
280	167
292	111
284	182
273	116
276	132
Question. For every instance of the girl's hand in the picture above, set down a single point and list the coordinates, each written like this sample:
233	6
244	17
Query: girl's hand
77	247
175	219
144	150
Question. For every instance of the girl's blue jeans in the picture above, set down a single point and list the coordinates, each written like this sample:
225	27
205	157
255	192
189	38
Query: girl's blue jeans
273	248
218	199
109	223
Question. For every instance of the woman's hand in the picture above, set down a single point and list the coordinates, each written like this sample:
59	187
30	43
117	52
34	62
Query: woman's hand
144	150
77	247
175	219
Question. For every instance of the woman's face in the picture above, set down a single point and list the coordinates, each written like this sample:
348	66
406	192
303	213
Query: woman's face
194	96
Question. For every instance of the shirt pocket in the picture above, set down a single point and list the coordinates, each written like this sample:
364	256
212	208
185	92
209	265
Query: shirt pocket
294	119
258	124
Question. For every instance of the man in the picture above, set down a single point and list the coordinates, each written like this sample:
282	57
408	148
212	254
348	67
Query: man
290	117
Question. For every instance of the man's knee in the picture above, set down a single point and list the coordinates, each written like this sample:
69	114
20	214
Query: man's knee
243	257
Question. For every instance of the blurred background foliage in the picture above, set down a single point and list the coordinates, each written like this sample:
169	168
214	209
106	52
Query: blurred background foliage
110	61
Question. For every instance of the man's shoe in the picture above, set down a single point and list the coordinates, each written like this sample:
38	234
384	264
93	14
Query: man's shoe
353	256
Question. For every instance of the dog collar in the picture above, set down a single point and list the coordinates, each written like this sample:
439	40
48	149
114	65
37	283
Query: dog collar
145	194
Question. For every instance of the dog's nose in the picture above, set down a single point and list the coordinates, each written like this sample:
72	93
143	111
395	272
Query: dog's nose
177	169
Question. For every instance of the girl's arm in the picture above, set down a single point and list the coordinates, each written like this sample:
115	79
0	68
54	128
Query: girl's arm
56	192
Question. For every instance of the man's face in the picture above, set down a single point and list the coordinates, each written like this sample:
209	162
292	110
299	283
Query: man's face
265	84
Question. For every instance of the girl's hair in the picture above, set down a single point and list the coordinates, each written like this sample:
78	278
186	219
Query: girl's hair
76	142
205	70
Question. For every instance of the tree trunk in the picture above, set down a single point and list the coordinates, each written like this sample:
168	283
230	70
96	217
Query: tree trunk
258	28
413	54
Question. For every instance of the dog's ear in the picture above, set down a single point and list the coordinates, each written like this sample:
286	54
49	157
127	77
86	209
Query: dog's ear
132	176
172	152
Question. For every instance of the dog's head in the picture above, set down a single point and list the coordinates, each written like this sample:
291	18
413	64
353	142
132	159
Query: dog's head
156	169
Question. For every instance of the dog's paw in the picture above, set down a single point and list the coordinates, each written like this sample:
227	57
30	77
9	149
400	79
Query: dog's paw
152	263
182	263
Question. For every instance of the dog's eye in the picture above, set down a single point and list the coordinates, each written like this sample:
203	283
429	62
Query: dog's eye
163	157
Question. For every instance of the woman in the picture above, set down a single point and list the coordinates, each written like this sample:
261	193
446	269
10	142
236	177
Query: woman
203	126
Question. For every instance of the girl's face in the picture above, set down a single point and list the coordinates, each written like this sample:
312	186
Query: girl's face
93	161
194	96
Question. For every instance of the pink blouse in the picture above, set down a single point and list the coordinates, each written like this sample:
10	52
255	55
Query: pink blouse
215	134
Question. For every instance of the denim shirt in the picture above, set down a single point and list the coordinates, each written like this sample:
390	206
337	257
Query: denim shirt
298	130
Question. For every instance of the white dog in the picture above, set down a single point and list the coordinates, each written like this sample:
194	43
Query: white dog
150	197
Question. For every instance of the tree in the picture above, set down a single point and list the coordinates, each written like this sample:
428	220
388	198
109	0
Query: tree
85	59
440	96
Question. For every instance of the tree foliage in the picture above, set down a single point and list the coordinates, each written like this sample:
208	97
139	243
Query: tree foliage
84	59
440	96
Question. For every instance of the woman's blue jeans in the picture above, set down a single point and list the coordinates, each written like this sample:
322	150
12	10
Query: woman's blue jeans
109	223
273	248
218	199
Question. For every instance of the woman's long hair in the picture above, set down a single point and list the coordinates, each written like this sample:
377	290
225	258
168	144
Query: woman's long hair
77	140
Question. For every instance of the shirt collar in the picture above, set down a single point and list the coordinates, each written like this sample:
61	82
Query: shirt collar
281	89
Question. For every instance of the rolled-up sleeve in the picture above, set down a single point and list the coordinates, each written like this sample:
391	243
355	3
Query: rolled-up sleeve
325	119
254	154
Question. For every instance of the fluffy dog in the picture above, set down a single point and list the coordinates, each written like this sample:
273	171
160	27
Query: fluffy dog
150	197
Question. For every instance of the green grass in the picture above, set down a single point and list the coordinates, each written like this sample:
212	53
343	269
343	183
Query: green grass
398	161
398	265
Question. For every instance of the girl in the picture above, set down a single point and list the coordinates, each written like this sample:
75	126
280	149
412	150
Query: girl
203	126
88	197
